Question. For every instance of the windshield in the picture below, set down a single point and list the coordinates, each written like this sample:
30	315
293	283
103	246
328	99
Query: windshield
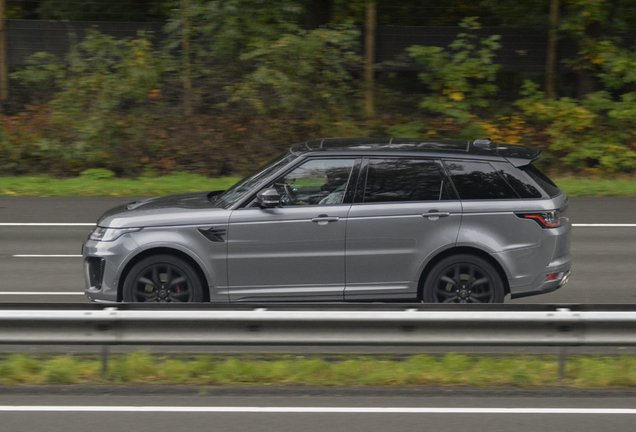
243	187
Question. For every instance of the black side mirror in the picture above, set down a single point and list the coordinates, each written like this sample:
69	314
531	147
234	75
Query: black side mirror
268	198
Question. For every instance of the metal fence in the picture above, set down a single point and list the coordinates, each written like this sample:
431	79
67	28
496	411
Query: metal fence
412	326
522	49
27	37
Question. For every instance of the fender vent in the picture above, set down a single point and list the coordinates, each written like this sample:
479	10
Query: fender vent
213	234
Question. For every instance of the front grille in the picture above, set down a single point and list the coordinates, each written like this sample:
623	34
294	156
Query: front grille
95	271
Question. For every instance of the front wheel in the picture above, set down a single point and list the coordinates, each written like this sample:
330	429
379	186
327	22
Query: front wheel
162	279
463	279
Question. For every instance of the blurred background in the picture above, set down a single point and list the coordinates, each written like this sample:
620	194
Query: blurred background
149	87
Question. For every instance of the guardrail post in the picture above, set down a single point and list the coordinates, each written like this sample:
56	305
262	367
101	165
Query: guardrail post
562	353
562	349
105	349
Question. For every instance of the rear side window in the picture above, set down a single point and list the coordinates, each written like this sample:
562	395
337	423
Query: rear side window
391	180
542	180
478	181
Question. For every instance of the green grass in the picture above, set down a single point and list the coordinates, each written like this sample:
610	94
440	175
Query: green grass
99	183
349	370
95	186
580	187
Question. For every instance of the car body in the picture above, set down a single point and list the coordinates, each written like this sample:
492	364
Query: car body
357	219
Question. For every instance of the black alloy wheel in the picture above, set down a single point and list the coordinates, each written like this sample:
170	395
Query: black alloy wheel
463	279
162	279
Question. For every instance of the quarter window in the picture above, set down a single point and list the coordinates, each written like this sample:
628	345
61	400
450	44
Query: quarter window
543	181
518	180
478	181
391	180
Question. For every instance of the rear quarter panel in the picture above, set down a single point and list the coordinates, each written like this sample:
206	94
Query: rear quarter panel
521	246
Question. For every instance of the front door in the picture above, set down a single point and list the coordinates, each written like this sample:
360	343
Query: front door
294	252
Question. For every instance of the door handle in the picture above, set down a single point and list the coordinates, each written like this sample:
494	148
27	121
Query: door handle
325	218
435	213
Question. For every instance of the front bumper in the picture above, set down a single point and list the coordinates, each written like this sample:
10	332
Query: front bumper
103	262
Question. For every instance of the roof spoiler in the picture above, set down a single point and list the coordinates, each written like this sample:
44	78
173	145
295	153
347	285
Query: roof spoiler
532	156
517	155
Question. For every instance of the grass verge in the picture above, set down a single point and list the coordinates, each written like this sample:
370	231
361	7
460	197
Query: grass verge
96	185
582	187
418	370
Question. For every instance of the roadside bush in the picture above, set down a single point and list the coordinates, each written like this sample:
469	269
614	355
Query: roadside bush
260	83
97	108
304	74
460	78
595	134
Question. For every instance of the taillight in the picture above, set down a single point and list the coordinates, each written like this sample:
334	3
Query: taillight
547	219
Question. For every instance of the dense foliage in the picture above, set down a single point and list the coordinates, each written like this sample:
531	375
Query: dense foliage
260	80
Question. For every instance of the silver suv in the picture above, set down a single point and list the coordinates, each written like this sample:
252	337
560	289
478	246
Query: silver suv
346	220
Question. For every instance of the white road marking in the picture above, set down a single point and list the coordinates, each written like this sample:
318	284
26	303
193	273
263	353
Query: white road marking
604	225
40	293
47	256
330	410
45	224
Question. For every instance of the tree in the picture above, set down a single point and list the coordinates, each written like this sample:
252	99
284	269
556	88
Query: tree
595	25
318	13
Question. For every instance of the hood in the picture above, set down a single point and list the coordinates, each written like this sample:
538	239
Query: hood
184	209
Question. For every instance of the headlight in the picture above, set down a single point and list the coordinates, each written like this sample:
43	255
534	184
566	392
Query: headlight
110	234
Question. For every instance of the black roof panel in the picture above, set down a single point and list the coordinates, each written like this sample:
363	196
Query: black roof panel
483	147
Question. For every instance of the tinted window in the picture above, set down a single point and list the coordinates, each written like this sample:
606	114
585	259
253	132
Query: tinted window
478	181
390	180
542	180
518	180
316	182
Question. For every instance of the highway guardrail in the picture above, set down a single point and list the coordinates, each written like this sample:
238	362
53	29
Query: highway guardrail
258	326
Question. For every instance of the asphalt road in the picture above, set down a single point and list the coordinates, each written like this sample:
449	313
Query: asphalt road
603	273
603	270
314	409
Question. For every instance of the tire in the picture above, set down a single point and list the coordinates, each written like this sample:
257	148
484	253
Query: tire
162	279
463	279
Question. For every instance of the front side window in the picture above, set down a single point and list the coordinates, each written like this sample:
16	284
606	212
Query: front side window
399	179
478	181
316	182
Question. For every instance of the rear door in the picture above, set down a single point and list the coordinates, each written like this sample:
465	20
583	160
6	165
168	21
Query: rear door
405	212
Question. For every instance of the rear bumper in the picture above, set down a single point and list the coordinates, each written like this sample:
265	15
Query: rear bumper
543	285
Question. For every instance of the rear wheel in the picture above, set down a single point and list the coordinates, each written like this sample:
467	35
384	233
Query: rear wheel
162	279
463	279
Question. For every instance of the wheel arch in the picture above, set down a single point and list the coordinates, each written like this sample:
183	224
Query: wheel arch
462	250
163	251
